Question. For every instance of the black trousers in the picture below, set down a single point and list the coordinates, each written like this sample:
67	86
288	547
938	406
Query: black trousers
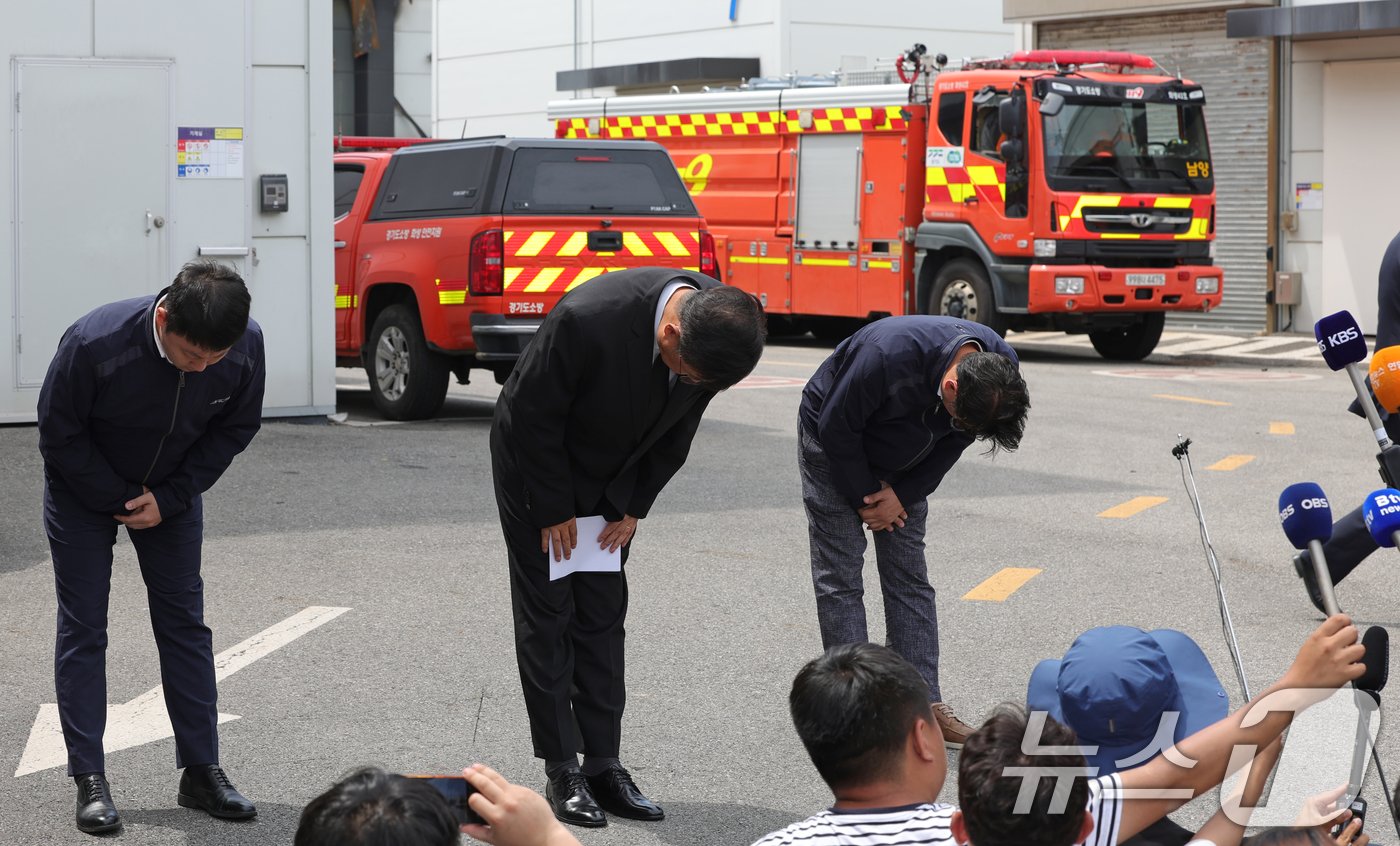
568	638
81	543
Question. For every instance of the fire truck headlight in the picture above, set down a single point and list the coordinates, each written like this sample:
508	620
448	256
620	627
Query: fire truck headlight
1207	284
1044	248
1069	285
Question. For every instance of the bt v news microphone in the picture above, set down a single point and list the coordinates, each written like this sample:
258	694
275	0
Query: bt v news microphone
1307	521
1343	346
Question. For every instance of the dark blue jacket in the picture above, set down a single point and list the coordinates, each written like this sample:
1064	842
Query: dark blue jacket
874	405
114	415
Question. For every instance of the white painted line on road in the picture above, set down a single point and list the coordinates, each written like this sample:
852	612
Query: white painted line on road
144	719
1252	347
1214	342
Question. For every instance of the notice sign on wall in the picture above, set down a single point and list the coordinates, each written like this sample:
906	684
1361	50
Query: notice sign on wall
209	152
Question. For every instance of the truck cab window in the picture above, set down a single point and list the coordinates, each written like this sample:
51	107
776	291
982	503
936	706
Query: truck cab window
950	116
347	185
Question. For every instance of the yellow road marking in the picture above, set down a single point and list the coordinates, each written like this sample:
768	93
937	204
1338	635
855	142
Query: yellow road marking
1133	506
1002	585
1280	427
1231	462
1189	399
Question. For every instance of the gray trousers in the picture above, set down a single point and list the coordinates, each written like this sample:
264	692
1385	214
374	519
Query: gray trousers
837	538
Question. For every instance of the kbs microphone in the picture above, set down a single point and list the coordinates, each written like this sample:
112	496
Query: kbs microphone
1307	521
1385	378
1343	346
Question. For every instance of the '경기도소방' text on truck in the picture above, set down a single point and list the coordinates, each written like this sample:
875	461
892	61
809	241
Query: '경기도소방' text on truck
1054	190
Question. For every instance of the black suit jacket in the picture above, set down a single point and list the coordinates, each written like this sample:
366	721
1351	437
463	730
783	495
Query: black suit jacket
570	424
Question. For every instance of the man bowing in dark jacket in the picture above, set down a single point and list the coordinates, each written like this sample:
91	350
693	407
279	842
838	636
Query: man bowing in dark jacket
881	422
595	419
144	406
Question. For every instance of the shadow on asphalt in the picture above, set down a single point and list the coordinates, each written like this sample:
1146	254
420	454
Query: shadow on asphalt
358	404
708	823
273	824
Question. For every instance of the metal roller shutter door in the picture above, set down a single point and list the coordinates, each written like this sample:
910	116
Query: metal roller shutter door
1236	76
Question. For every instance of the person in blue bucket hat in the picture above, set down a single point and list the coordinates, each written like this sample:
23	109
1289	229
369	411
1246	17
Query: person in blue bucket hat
1129	694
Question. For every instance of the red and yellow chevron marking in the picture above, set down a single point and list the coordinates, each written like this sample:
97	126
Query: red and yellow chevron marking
1072	224
855	119
956	184
635	244
345	300
557	280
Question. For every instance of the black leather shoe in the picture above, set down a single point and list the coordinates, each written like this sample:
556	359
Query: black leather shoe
1302	562
206	788
96	812
618	794
571	802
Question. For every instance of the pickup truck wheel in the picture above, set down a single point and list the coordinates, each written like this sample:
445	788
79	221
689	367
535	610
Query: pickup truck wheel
407	380
961	290
1133	343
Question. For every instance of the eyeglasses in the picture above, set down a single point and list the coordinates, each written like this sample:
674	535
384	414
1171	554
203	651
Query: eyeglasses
687	378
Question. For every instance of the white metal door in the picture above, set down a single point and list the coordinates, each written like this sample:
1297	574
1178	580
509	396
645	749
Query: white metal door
93	171
1358	219
828	204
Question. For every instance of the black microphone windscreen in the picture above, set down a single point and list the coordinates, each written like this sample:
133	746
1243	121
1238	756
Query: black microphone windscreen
1376	641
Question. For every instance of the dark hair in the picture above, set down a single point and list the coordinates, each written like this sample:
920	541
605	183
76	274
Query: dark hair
853	708
992	399
1282	835
207	305
988	796
722	333
370	807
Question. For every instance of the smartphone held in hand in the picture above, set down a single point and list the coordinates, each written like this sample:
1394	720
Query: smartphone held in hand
455	789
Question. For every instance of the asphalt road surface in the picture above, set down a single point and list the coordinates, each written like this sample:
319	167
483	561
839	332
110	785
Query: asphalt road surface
397	524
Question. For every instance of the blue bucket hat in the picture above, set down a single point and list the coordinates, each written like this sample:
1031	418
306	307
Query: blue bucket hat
1116	682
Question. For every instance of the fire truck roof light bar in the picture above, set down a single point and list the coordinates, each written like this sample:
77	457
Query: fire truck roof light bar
1066	58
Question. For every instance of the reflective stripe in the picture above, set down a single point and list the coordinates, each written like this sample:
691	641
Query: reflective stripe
756	260
823	120
511	273
575	244
633	243
452	297
584	275
672	244
534	244
543	280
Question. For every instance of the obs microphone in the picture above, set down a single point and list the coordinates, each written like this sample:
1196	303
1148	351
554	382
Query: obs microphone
1343	346
1307	521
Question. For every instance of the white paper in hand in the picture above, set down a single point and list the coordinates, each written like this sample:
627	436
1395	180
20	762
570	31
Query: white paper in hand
587	557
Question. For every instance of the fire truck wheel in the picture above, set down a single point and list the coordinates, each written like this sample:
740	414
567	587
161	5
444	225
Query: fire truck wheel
1132	343
407	380
961	290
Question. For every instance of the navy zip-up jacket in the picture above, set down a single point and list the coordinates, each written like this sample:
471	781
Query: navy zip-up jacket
874	406
114	415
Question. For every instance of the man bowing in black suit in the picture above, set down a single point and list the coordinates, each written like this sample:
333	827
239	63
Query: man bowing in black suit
596	418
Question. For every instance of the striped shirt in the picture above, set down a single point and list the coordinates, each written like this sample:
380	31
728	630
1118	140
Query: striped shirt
929	823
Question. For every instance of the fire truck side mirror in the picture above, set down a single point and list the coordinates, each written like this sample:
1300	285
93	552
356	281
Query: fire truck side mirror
1013	151
1052	104
1012	115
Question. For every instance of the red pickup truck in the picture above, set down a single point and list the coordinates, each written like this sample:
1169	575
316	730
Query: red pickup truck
449	254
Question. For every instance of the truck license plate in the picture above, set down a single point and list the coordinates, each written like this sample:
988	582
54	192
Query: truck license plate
1147	279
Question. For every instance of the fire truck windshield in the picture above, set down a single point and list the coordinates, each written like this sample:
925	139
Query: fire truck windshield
1138	146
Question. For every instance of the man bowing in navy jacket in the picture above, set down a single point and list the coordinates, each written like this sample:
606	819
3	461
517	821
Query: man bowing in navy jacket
881	422
144	406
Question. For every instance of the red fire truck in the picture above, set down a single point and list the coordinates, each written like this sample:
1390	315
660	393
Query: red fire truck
1062	190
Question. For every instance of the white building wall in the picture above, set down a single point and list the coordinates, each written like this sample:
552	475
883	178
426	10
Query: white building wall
1338	246
262	65
496	65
